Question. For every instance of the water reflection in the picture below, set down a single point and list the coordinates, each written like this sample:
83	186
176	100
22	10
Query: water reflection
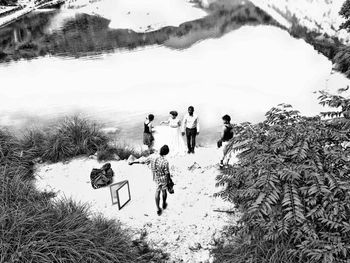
90	35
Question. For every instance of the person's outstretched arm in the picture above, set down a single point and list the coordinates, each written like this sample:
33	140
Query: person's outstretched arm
165	122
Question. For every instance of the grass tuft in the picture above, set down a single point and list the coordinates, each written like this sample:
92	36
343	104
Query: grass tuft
71	137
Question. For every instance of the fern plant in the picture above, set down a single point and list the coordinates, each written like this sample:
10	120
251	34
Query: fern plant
291	183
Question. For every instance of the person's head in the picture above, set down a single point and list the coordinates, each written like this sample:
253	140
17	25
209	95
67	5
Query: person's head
173	114
226	118
150	117
190	110
164	150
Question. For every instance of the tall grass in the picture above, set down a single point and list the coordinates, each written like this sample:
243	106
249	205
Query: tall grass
254	252
37	230
71	137
33	228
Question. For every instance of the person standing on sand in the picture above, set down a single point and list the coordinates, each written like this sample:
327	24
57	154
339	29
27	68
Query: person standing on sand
190	127
160	170
173	136
148	131
226	136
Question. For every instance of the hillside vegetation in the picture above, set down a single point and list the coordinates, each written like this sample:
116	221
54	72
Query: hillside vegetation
292	185
36	229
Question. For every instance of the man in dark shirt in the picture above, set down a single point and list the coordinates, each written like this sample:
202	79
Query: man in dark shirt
226	136
190	127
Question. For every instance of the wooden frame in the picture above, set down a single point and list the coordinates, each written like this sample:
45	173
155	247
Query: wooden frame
116	194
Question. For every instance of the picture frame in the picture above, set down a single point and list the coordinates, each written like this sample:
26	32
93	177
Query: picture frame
120	193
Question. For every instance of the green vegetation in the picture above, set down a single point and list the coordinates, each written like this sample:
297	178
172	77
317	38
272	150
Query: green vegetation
8	2
36	229
329	46
71	137
291	184
342	58
345	12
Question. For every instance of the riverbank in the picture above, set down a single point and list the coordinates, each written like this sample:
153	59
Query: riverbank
188	229
37	229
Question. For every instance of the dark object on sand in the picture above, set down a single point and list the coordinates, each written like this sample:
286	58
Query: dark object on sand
170	185
101	177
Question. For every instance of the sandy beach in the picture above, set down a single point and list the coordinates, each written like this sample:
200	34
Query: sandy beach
187	229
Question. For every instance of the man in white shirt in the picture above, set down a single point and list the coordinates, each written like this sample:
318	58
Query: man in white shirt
190	126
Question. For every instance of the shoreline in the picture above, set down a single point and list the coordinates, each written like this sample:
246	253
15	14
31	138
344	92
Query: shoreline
191	217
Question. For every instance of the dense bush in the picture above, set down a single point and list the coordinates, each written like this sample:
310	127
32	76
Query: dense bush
8	2
345	12
33	228
342	60
12	154
291	184
70	137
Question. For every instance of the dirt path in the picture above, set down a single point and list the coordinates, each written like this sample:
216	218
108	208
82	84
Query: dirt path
187	229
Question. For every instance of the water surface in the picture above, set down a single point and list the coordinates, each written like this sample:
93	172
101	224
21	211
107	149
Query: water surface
88	67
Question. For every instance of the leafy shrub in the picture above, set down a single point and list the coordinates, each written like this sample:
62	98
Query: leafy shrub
345	12
342	60
292	185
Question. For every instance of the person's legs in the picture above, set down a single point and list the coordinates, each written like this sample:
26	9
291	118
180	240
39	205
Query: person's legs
193	146
157	198
188	137
164	196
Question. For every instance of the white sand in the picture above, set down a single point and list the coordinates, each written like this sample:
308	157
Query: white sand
189	219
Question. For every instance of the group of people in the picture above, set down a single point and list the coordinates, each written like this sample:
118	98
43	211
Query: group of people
189	126
159	165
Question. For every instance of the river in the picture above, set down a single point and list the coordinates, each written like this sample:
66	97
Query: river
80	62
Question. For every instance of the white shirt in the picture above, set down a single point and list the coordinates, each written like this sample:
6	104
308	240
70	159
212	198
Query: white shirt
174	123
190	122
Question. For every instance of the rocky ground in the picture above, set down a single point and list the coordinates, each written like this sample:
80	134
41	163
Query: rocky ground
188	229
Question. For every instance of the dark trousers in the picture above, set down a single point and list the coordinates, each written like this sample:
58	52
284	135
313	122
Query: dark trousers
191	138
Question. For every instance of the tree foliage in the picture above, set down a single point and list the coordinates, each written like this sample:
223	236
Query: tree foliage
291	183
345	12
8	2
